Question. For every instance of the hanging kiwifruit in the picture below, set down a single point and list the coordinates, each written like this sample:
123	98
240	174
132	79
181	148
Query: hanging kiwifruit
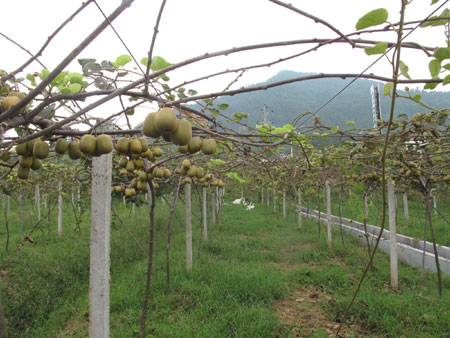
183	149
166	137
134	182
104	144
41	149
37	164
123	145
135	146
182	134
129	192
165	121
139	163
148	127
144	144
186	164
195	144
88	144
192	171
142	186
21	149
23	173
74	150
130	166
209	146
159	173
142	176
61	146
200	172
123	162
167	173
25	161
157	152
30	144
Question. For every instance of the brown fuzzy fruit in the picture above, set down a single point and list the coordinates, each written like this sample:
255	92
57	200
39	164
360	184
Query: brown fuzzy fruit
209	146
195	144
182	134
41	150
104	144
149	128
123	145
74	150
61	146
165	121
88	144
135	146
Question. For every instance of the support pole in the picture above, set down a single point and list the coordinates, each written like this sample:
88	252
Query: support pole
60	209
393	235
299	208
187	197
327	185
213	206
99	273
284	204
405	206
37	201
205	215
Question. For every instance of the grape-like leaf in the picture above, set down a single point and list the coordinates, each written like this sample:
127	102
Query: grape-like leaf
373	18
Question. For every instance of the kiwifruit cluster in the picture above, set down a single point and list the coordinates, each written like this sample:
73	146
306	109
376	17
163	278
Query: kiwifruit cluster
164	123
88	145
134	151
196	174
30	155
10	100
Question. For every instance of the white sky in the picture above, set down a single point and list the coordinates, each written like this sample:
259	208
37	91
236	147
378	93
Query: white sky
191	28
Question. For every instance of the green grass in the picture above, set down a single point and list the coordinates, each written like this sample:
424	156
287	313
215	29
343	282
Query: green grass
238	278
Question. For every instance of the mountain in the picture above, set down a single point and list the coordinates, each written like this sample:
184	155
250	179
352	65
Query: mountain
286	102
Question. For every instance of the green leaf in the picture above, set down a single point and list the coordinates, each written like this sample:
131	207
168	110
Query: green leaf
159	63
48	112
334	129
430	86
435	67
387	88
43	74
217	161
75	78
83	62
101	83
223	106
442	53
417	97
434	1
108	66
32	79
144	61
192	92
446	80
75	88
446	66
214	112
379	48
373	18
350	123
122	60
91	67
404	70
234	176
445	15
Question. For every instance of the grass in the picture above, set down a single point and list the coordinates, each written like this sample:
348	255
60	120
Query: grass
253	262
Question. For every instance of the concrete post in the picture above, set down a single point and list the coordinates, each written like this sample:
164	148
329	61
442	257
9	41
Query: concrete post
268	198
435	204
299	209
393	235
284	204
99	274
328	189
262	195
60	209
79	200
405	206
187	197
205	215
213	206
274	202
20	215
37	201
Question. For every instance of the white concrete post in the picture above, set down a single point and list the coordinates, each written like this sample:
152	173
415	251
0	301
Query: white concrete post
133	209
268	198
217	201
299	209
187	197
434	204
274	202
99	274
393	235
60	209
205	215
284	204
405	206
20	215
37	201
262	195
328	189
79	199
213	206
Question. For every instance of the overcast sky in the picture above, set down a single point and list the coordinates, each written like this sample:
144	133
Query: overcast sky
190	28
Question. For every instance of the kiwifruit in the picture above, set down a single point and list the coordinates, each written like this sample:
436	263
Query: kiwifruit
148	128
142	176
142	186
139	163
123	162
21	149
183	149
37	164
209	146
183	171
147	154
23	173
157	152
182	134
25	161
41	149
10	101
123	145
30	144
88	144
208	177
186	164
134	183
192	171
150	176
195	144
20	95
96	153
220	183
135	146
155	185
104	144
178	171
186	180
200	172
144	144
130	166
167	173
74	150
159	173
129	192
61	146
165	121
